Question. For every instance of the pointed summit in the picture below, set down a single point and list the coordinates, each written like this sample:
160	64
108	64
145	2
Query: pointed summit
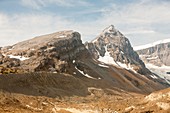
110	28
112	44
111	32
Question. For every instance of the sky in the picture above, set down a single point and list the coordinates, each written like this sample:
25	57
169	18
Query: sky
141	21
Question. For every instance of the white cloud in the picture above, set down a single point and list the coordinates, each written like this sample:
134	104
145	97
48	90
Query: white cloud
140	20
146	20
38	4
24	26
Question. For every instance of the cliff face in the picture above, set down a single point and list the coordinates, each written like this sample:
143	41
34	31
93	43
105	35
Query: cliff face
117	46
158	54
50	52
156	57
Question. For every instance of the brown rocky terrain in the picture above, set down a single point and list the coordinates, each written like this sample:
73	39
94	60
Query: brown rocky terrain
54	93
56	73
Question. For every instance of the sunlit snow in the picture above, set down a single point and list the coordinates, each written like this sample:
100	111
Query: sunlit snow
102	65
151	44
22	58
160	71
107	58
86	75
128	67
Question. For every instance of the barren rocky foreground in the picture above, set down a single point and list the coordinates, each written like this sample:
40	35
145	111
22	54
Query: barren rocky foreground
62	93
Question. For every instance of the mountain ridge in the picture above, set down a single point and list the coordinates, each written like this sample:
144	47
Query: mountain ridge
64	52
145	46
61	74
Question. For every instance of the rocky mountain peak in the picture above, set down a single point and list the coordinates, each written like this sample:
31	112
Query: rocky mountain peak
113	43
110	28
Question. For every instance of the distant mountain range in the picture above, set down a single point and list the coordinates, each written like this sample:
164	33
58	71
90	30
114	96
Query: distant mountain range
156	57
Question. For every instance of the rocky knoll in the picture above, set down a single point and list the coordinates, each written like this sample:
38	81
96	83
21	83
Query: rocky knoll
112	43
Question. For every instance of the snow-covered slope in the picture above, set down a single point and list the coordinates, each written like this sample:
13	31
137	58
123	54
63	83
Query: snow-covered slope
156	57
161	71
151	44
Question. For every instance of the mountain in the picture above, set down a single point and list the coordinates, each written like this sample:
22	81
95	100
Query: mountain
156	53
112	47
46	53
57	72
156	57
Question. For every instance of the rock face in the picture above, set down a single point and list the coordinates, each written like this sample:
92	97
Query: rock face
49	52
117	46
157	57
157	54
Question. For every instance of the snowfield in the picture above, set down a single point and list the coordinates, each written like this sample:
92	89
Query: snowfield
160	71
151	44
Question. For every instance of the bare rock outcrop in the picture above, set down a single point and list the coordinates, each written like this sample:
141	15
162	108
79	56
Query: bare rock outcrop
158	54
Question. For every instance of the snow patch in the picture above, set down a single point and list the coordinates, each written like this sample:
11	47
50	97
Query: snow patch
122	52
153	58
154	77
62	36
128	67
102	65
74	61
22	58
107	58
86	75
